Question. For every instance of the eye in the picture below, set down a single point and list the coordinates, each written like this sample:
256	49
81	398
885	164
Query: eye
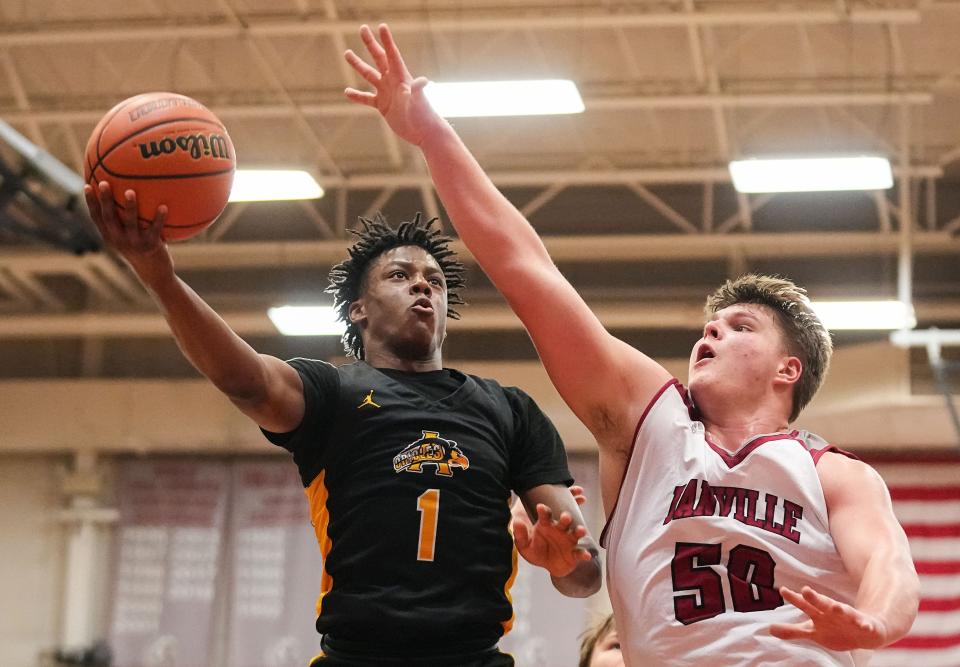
436	281
398	274
742	327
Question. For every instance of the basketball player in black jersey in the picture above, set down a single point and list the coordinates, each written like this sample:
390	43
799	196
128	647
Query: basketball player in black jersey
408	466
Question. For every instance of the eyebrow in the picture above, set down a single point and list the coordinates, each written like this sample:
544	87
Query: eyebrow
746	313
406	265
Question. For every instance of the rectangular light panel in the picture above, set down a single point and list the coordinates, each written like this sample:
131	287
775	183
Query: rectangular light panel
273	185
504	98
865	315
306	320
811	174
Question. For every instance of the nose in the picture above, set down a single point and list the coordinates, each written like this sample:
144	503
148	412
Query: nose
712	330
421	286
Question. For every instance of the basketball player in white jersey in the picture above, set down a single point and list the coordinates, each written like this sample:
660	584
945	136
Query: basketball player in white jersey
732	540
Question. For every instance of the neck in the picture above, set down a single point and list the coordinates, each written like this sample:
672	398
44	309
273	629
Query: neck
732	436
730	425
379	358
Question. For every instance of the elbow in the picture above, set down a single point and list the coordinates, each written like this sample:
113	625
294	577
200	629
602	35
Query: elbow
909	604
912	599
583	582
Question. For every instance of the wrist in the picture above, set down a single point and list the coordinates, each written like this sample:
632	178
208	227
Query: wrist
153	272
437	135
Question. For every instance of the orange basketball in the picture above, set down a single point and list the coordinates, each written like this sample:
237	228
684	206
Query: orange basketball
169	149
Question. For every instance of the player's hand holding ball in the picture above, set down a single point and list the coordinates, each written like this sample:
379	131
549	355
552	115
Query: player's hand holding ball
158	167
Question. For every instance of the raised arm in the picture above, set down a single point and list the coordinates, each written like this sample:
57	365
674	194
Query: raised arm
874	550
605	381
265	388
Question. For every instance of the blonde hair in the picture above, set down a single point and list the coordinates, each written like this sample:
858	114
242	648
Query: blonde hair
592	637
804	335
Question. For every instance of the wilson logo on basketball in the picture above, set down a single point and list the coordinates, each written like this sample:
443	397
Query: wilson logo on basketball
197	145
433	450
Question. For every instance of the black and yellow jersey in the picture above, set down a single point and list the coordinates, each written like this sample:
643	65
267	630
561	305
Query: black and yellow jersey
408	477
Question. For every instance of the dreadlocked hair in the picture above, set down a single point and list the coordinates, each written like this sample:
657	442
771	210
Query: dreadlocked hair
375	237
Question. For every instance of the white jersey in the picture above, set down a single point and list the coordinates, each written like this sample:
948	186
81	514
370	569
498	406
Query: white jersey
700	540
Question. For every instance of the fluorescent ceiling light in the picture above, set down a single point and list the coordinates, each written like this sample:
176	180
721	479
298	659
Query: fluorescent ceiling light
811	174
273	185
306	321
504	98
865	315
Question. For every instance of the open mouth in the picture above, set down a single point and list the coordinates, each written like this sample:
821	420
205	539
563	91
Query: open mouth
704	353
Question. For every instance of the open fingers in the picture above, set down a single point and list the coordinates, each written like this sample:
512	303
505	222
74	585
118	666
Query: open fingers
800	602
361	97
521	536
155	229
394	59
792	630
93	206
362	68
108	209
820	602
544	513
373	46
128	212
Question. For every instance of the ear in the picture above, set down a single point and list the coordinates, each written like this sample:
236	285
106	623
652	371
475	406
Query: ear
357	313
789	370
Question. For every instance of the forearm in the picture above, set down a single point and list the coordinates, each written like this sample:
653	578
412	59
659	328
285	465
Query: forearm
890	592
207	341
586	577
492	228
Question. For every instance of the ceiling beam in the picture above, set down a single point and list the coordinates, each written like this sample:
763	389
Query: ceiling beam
785	98
455	22
198	256
544	178
477	317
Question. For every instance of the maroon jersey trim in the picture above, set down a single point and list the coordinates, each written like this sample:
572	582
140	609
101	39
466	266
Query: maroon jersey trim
817	453
735	459
673	382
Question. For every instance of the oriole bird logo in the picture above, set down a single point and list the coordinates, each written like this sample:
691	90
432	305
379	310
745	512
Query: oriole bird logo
433	450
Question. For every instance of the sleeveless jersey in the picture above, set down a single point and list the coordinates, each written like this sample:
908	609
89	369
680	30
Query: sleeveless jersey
700	540
409	498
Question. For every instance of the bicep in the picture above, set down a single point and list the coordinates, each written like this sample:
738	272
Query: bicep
282	406
861	516
604	381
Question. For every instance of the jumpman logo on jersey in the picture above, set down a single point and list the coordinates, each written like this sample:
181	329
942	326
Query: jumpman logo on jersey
368	400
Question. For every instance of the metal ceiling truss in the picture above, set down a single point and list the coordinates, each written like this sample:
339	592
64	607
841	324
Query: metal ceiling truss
231	25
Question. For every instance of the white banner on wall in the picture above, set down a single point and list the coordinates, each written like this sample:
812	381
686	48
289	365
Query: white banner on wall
275	569
167	553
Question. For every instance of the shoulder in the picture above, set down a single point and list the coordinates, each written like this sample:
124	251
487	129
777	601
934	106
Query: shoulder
843	477
317	375
520	401
515	396
312	365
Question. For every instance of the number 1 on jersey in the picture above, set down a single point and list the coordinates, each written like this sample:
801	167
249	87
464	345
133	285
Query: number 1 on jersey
428	504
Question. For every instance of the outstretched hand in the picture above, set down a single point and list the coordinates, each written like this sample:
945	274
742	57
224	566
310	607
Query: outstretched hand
397	95
140	244
832	624
549	543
